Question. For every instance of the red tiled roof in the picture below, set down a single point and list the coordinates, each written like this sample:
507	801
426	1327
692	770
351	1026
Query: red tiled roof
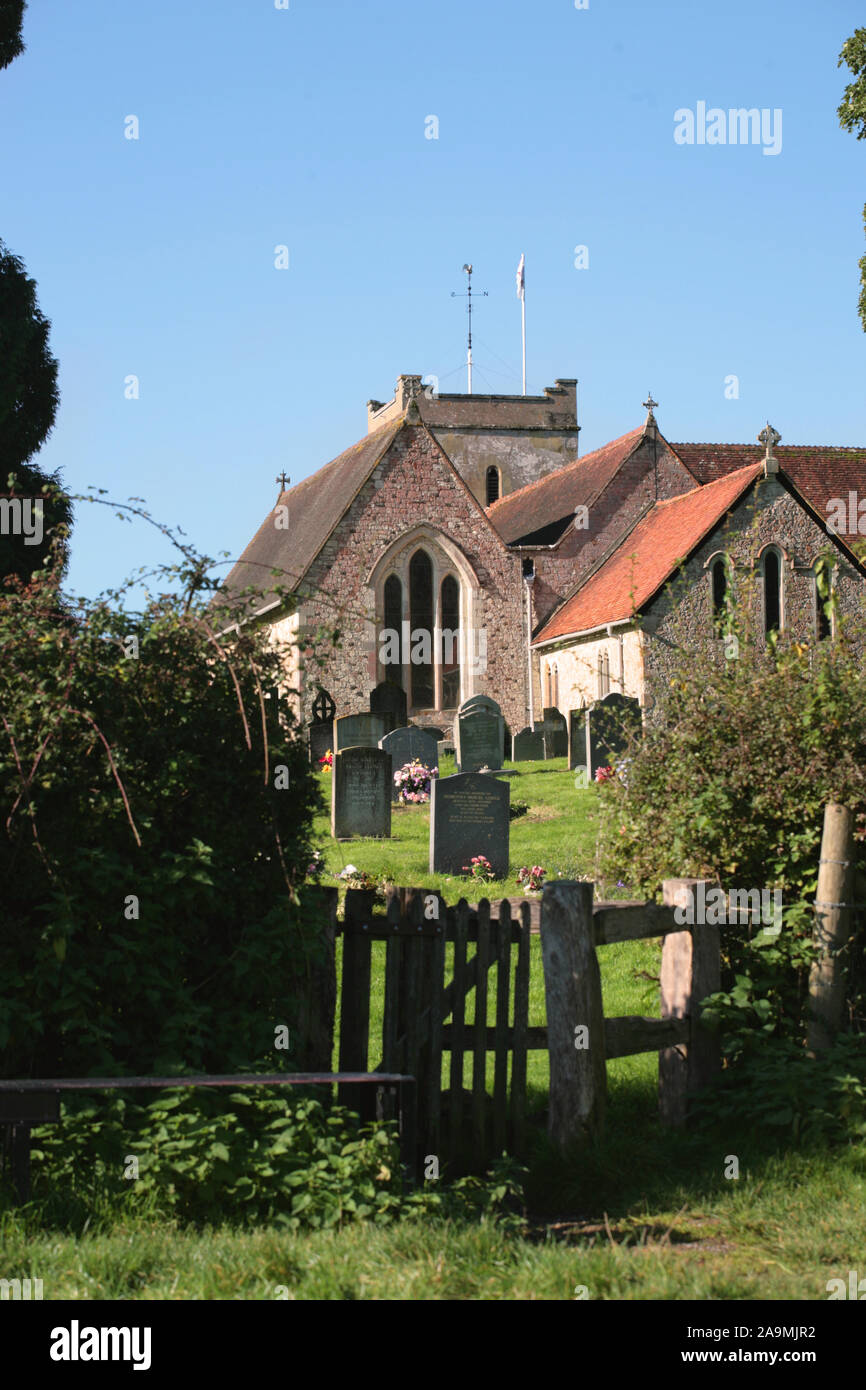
541	503
816	471
648	556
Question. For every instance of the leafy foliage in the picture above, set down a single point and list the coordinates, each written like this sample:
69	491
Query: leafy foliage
852	117
155	819
250	1158
28	406
729	784
779	1090
11	21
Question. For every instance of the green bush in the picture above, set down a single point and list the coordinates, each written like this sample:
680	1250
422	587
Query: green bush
249	1158
149	855
779	1091
729	784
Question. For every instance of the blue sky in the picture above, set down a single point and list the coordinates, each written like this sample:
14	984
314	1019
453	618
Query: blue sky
305	127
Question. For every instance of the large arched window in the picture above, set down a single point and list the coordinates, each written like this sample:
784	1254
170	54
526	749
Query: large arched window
772	591
421	618
391	633
450	623
492	485
424	593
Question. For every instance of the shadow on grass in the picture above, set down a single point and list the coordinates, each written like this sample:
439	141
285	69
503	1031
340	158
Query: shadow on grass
639	1165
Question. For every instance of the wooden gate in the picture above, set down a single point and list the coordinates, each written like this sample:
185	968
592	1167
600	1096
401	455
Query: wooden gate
431	969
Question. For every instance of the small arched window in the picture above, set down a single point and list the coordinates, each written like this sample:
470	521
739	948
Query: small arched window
603	674
719	574
492	485
825	576
772	592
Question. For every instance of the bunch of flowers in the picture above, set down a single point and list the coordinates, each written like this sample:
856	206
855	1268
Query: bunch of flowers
480	868
603	774
357	878
532	879
327	760
414	780
316	867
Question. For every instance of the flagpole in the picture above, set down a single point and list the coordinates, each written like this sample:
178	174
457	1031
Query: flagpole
521	295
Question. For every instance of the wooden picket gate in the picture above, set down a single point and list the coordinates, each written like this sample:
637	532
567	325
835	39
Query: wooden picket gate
465	1128
461	1127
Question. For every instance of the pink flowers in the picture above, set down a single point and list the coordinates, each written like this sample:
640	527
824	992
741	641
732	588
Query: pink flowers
479	868
603	774
532	879
327	760
413	780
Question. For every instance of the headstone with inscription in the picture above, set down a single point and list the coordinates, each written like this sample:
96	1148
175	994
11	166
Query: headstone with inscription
480	702
478	734
359	731
611	723
389	700
361	794
479	739
408	745
468	817
528	746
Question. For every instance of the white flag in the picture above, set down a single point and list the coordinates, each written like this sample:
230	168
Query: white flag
521	279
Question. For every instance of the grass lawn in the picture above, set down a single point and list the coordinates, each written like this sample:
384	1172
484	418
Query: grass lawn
648	1213
557	832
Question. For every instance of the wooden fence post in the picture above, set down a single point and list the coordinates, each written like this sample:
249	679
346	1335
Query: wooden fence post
832	926
355	998
572	986
318	992
690	970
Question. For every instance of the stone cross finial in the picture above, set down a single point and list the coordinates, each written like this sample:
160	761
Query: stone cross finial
650	405
769	438
283	481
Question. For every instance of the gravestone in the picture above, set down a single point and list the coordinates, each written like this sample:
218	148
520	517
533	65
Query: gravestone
469	816
437	733
321	727
321	738
527	746
358	731
407	745
480	702
389	700
555	731
360	794
610	723
479	739
576	738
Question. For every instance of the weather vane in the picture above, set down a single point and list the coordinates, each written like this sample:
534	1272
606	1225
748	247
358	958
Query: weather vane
468	296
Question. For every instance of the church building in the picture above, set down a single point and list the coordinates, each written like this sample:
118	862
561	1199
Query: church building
464	547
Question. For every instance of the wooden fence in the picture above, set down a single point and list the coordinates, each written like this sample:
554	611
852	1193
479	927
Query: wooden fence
426	996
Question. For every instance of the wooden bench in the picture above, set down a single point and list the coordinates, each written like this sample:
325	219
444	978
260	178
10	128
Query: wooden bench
25	1104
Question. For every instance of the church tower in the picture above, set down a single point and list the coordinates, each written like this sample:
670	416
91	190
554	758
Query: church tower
497	443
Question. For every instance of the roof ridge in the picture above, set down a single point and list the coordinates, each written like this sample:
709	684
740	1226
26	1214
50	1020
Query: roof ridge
779	448
558	472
